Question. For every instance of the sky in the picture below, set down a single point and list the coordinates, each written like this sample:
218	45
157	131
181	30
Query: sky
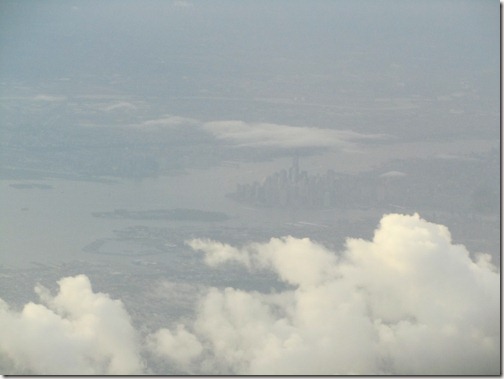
54	38
116	113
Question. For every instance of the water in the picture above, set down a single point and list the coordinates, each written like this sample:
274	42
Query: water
53	224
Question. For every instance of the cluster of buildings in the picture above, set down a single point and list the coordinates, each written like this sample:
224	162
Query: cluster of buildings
290	188
293	188
428	184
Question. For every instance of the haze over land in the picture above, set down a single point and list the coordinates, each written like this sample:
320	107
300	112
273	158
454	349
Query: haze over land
252	187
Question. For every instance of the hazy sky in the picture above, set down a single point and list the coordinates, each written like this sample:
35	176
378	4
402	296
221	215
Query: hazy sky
433	38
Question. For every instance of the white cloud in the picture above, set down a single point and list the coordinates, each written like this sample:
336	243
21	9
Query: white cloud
217	253
180	346
120	106
168	120
407	302
75	332
49	98
241	133
392	174
114	104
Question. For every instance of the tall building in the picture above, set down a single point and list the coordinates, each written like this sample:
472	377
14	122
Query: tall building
291	188
295	166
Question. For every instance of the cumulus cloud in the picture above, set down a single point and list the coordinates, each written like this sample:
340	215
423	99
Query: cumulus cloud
217	253
179	346
407	302
242	133
77	331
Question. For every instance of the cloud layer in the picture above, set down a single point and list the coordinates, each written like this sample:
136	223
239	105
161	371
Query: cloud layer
407	302
241	134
